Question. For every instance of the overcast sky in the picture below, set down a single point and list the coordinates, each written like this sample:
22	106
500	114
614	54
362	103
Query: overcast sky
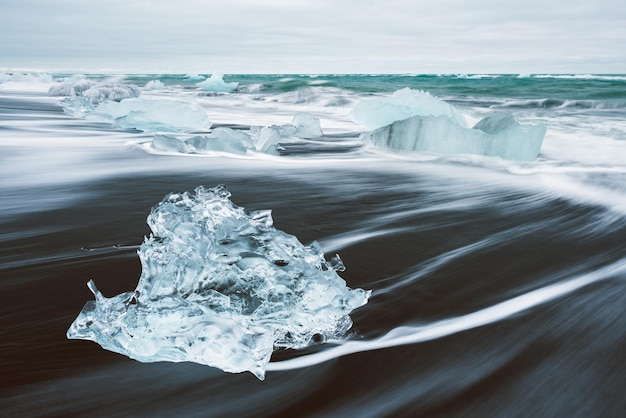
314	36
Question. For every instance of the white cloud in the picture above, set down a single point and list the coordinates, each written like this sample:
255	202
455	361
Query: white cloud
322	36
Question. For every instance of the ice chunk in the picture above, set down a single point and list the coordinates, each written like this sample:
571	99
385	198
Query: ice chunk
4	77
402	104
497	135
155	85
216	84
77	106
170	144
153	115
220	287
220	139
103	91
307	126
267	138
223	139
70	88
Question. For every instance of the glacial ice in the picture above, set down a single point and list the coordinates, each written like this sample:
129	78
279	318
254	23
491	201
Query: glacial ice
104	91
215	83
307	126
220	139
497	135
265	139
4	77
402	104
70	88
153	115
83	96
220	287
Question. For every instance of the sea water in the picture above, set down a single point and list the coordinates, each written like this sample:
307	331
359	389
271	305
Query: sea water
497	286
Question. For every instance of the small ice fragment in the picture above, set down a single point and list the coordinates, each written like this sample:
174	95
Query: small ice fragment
170	144
220	287
266	140
222	139
307	126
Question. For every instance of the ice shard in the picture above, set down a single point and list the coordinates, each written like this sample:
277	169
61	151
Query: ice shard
497	135
221	287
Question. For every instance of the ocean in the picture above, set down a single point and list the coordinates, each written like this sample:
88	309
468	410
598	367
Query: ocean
498	287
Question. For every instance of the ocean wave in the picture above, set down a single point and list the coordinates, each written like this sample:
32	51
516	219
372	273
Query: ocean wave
582	77
404	335
553	103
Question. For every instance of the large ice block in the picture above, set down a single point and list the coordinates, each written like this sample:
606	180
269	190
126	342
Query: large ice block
221	287
402	104
497	135
153	115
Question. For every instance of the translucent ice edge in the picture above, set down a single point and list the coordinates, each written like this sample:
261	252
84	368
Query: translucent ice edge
221	287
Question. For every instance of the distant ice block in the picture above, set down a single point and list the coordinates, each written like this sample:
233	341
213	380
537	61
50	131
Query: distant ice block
104	91
28	78
215	83
194	77
95	93
221	287
497	135
153	115
402	104
155	85
70	88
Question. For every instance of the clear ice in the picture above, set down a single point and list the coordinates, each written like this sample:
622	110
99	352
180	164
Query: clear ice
221	287
497	135
402	104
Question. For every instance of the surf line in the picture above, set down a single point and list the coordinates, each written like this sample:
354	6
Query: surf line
410	335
